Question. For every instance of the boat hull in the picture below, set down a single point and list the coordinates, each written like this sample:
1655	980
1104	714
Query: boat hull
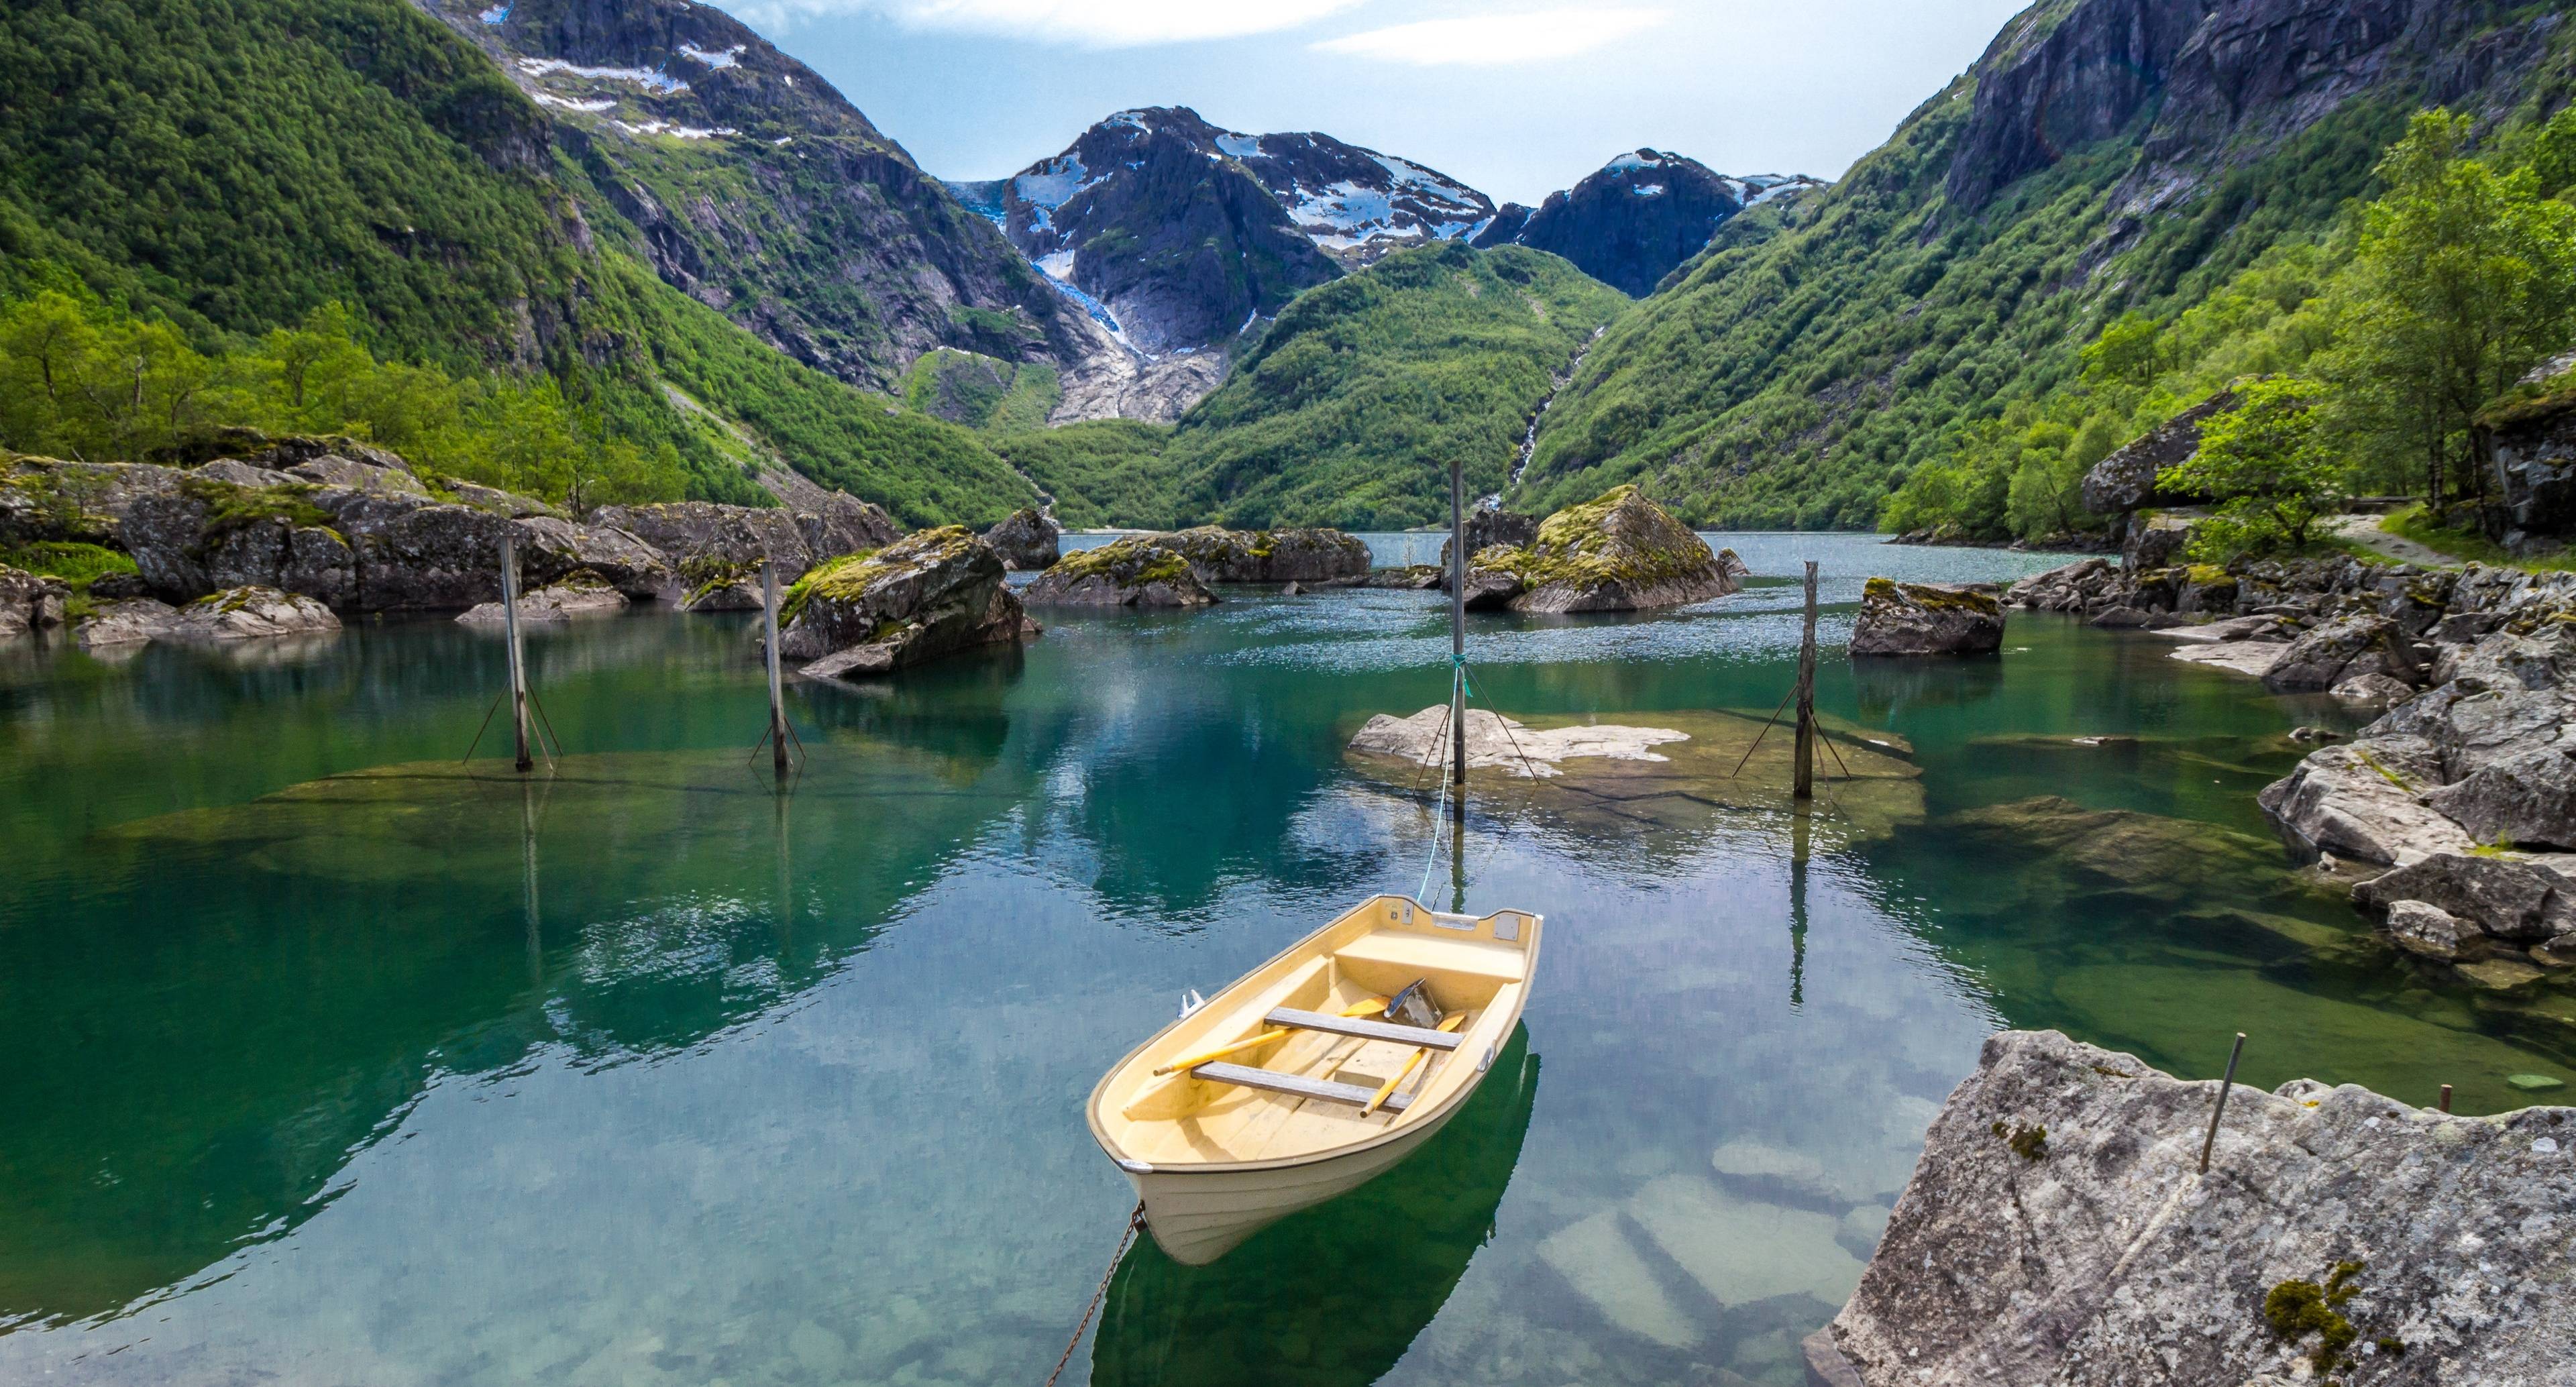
1198	1215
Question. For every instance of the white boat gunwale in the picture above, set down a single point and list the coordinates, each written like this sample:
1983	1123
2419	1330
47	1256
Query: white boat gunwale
1412	1122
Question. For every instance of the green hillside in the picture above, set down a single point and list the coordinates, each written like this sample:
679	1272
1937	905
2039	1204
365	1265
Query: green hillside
232	166
1794	376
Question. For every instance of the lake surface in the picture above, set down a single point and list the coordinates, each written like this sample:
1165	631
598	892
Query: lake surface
335	1060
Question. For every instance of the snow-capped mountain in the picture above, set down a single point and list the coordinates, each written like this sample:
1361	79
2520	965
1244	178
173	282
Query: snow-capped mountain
1146	217
1638	216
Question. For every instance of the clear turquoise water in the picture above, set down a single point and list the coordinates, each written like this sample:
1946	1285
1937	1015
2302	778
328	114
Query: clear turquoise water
641	1073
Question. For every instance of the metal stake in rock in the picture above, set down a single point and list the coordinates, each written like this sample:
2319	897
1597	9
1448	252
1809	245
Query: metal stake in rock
2216	1112
777	701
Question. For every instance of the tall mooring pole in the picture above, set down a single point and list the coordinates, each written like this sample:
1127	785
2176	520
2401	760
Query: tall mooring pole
1457	639
1804	787
777	702
518	659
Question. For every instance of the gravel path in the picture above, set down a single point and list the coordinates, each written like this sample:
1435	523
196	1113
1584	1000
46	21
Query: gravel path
2364	530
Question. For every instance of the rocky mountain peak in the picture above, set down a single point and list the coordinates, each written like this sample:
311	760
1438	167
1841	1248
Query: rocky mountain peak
1639	215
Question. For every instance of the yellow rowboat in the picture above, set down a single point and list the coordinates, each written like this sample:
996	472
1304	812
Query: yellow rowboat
1296	1083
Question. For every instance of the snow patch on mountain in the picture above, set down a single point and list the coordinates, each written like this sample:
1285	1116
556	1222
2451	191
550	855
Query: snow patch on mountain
726	58
1239	146
496	16
646	77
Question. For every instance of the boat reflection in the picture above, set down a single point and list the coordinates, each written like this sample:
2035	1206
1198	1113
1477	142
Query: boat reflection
1335	1294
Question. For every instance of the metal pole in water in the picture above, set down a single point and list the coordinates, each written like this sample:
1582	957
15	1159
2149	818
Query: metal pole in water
777	703
2214	1113
518	660
1804	786
1457	639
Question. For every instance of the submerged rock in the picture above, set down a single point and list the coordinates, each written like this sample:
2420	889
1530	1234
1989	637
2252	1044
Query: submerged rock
2435	933
29	602
1497	742
1310	556
2361	800
1027	539
2056	1230
1926	619
1617	552
2521	899
1138	571
249	612
933	594
581	594
1420	577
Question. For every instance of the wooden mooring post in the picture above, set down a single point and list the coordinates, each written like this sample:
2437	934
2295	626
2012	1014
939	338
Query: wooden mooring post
518	659
1457	640
2219	1109
769	644
1804	786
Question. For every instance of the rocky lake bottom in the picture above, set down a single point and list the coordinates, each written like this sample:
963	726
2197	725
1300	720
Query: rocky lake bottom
342	1060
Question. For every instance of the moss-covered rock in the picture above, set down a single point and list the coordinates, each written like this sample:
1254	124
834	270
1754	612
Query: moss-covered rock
915	600
246	612
1617	552
1027	539
1308	556
1139	571
1926	619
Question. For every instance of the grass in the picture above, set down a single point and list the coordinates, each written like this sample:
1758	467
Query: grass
2415	522
76	564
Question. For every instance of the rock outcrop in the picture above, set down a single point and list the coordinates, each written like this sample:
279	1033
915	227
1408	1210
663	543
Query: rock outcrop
1420	577
578	594
131	621
1926	619
1637	218
1138	571
1028	539
29	602
249	613
1310	556
1499	743
2126	480
930	595
1617	552
2057	1230
795	539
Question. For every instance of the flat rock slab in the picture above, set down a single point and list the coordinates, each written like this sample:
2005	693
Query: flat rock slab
1495	742
551	604
2254	658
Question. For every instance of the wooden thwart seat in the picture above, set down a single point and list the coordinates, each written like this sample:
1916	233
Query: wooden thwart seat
1298	1086
1423	1036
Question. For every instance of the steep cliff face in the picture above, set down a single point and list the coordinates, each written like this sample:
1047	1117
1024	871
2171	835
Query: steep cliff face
755	188
2102	155
1637	217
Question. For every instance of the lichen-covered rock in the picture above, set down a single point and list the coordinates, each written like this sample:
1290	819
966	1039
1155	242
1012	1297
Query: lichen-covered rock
1487	528
1420	577
833	526
1617	552
2155	541
129	622
1028	539
2428	931
2057	1231
581	593
550	549
2078	587
929	595
2362	801
1926	619
2126	479
2332	653
245	613
497	501
30	602
53	499
715	585
1309	556
239	473
1138	571
2373	690
2520	898
387	474
2527	799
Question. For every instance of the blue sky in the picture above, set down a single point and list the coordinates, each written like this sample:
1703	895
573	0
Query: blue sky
1517	99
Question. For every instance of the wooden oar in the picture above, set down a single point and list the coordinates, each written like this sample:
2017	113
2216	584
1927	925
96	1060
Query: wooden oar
1220	1052
1447	1023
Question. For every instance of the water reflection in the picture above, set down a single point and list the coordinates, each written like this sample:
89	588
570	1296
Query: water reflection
1334	1295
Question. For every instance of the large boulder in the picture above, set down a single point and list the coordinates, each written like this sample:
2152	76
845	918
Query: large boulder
2428	931
2333	652
206	535
1138	571
2078	587
2058	1230
2521	898
2363	800
1926	619
1270	556
1489	527
1617	552
1028	539
2527	799
833	526
2126	479
2155	541
131	621
933	594
245	613
52	499
578	594
30	602
551	548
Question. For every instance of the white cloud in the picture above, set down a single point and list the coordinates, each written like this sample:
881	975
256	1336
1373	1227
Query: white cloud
1087	23
1496	40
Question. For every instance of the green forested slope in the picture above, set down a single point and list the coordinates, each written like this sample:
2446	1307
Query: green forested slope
1796	376
232	165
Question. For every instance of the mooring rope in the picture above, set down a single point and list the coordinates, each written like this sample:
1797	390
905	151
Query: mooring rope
1135	1221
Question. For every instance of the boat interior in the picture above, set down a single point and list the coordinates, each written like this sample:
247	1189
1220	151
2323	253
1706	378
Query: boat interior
1379	1016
